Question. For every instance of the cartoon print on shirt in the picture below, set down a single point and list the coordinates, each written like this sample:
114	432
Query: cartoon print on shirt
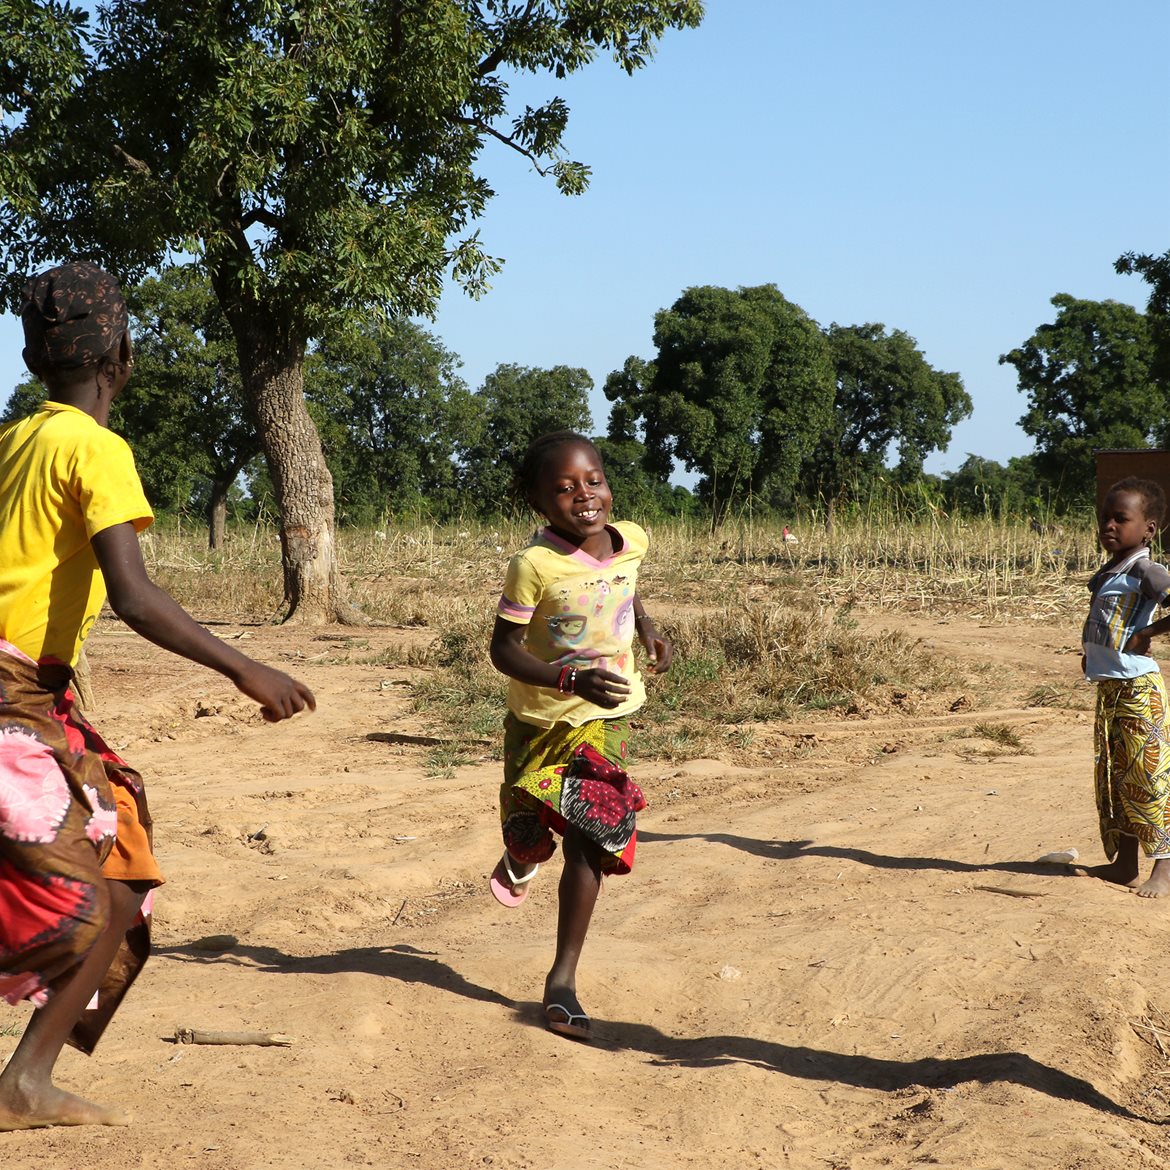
602	588
624	618
567	629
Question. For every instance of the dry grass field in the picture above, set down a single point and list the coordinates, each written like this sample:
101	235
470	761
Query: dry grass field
838	947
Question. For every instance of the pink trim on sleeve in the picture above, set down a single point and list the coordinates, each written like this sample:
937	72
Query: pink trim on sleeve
510	611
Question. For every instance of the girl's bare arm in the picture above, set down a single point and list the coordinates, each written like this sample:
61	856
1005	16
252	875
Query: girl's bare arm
510	656
659	650
153	613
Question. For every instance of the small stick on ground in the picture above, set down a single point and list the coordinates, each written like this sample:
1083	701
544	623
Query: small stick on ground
261	1039
1010	893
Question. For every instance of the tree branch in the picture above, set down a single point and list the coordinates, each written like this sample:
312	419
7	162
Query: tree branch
493	60
484	128
135	164
261	215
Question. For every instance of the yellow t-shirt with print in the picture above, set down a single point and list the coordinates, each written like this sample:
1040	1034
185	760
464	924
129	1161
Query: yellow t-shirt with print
579	612
63	479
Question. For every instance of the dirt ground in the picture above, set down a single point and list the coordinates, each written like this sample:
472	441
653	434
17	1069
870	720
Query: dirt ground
844	956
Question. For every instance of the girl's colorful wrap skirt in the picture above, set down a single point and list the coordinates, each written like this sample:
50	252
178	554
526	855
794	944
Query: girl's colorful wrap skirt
556	777
72	814
1133	763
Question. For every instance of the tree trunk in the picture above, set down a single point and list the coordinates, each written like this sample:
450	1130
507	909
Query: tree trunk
272	371
830	515
217	513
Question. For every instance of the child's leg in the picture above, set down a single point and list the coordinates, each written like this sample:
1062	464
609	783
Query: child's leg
28	1097
580	883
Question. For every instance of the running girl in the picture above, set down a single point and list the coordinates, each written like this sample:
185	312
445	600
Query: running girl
564	636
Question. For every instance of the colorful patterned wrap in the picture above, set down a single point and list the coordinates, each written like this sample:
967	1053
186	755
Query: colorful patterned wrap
64	799
1132	751
562	775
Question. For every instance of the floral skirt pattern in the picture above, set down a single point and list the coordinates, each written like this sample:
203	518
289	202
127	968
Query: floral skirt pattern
556	777
1132	748
63	793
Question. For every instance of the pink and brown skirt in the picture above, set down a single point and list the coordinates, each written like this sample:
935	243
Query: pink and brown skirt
72	815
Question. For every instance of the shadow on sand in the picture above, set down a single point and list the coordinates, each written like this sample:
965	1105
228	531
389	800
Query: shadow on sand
791	850
409	965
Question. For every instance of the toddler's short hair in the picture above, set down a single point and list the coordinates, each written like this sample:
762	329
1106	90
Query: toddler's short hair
1152	496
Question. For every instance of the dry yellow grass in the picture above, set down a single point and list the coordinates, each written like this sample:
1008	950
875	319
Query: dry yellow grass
404	575
763	628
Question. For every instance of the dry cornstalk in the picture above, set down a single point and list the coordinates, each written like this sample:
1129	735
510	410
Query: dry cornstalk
260	1039
1156	1033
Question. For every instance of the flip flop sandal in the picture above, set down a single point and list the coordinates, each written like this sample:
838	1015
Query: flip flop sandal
575	1025
508	889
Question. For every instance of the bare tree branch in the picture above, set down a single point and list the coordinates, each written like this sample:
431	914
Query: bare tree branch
492	61
484	128
135	164
261	215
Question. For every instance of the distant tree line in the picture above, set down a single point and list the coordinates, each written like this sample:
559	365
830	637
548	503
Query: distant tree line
283	141
766	410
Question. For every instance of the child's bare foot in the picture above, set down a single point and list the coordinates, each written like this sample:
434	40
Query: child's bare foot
1119	872
1158	884
41	1107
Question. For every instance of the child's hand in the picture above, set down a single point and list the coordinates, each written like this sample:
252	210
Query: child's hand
659	653
603	688
279	695
1139	643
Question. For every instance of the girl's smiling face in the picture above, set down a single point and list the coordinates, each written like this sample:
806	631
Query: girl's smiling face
1123	525
572	494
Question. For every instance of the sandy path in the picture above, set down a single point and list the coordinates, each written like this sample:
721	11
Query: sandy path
846	958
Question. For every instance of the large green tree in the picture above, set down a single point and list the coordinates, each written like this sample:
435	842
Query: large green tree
1156	271
638	492
397	418
1090	385
983	487
184	411
319	157
516	404
887	396
740	391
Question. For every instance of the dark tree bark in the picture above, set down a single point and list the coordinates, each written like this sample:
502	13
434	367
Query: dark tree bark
217	513
272	357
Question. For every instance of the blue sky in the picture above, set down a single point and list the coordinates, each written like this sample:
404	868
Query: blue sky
943	169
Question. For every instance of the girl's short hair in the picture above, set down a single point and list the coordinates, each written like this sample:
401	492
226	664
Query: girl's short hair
1152	496
538	451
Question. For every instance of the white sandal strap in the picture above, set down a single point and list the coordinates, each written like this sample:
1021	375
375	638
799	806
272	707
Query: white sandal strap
518	881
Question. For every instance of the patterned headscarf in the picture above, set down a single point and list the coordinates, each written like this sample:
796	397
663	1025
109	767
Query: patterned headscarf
73	316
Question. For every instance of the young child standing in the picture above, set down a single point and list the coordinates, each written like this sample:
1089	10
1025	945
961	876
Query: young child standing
76	863
564	636
1132	741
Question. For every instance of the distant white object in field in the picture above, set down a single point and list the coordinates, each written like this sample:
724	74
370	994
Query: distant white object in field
789	537
1060	857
